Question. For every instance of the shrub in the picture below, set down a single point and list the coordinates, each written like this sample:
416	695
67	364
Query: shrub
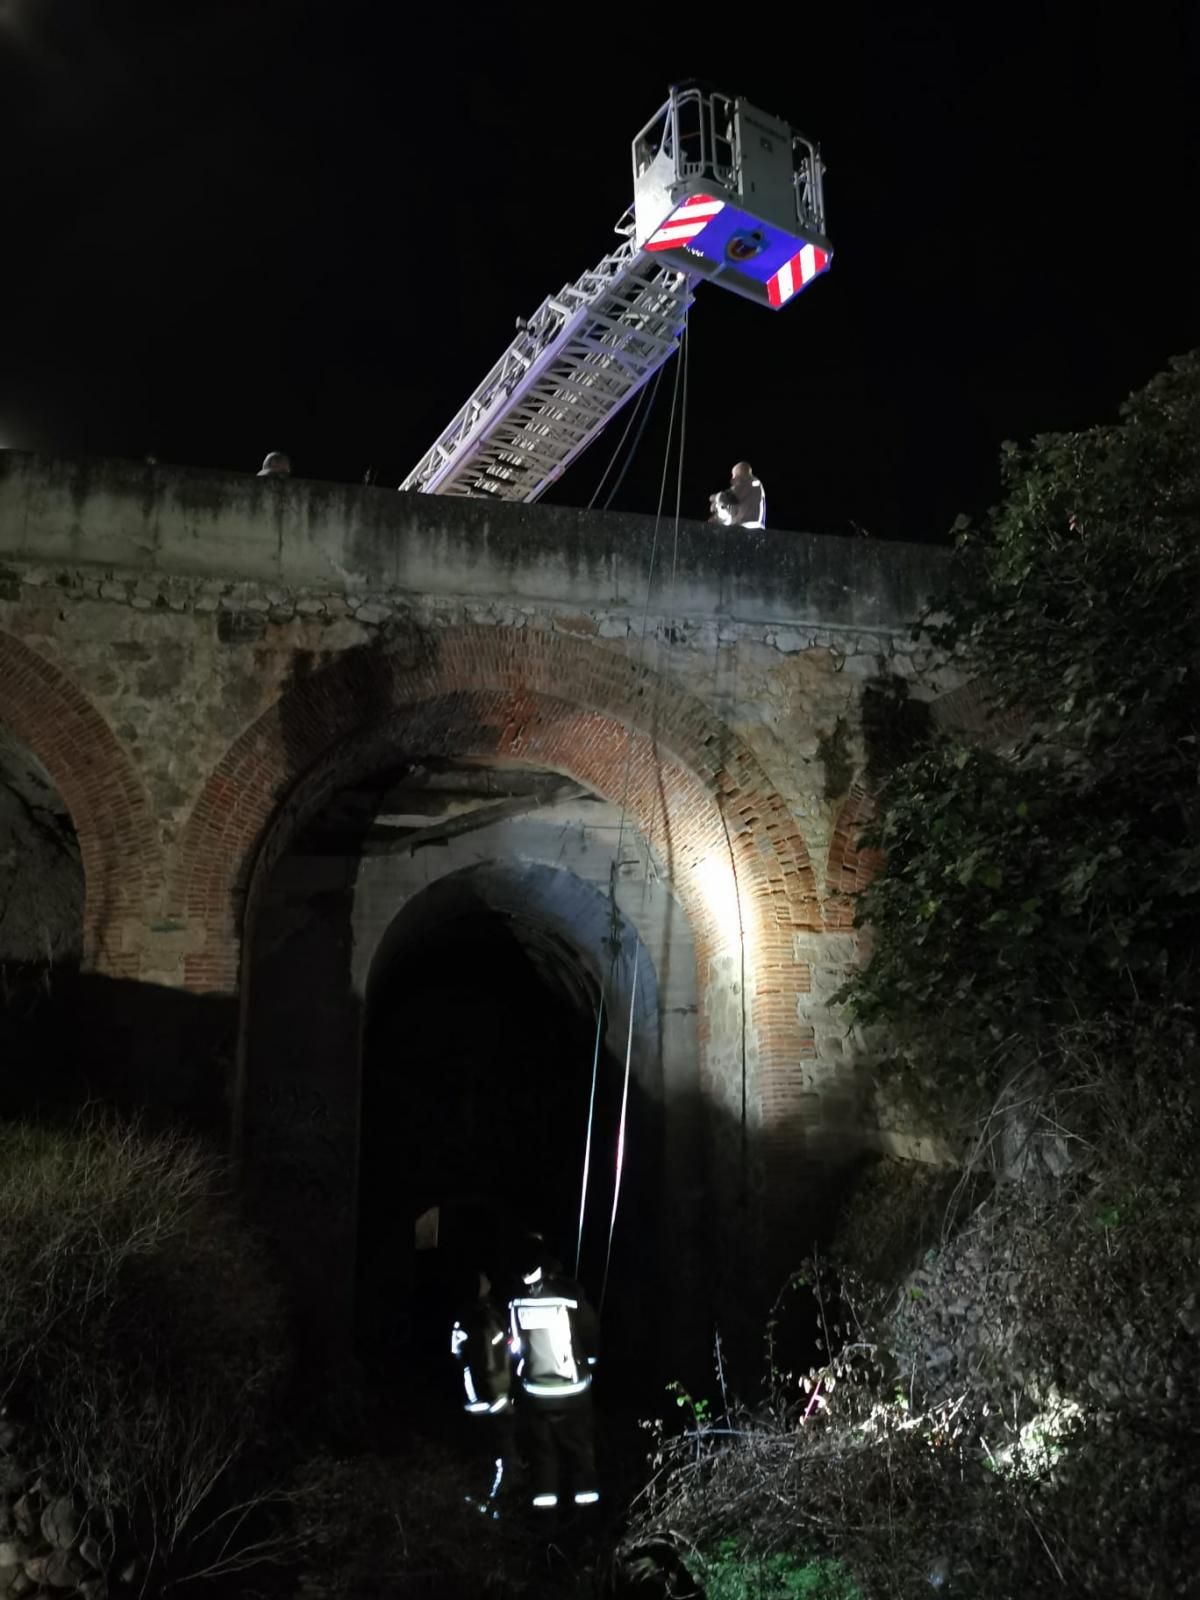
141	1338
730	1573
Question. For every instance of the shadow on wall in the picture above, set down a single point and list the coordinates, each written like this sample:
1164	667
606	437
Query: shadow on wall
895	726
354	687
69	1039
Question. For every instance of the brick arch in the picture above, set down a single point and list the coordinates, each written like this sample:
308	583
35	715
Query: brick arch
521	696
850	866
666	803
103	792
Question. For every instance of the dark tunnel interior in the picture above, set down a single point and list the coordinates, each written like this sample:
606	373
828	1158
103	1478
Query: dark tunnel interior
478	1056
418	1038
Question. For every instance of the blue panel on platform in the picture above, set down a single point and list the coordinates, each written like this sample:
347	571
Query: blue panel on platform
727	237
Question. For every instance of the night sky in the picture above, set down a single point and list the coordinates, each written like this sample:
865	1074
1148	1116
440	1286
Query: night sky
239	225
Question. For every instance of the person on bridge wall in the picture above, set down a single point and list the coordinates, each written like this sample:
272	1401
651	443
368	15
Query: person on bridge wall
555	1337
743	504
479	1343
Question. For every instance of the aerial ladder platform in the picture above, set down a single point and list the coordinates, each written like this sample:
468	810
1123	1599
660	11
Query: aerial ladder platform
722	193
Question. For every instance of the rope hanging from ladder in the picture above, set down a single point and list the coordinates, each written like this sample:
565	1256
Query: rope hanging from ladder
679	394
612	1221
642	408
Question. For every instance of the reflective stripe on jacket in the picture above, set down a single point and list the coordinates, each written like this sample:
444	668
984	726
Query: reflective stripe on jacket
555	1339
751	505
478	1341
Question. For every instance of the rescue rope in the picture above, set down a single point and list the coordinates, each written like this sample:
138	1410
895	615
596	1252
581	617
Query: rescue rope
591	1118
644	404
612	1221
680	371
587	1149
743	1162
633	448
686	356
662	495
680	394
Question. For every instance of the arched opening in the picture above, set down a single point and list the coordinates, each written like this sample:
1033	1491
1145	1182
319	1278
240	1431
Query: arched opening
728	851
41	926
480	1045
425	962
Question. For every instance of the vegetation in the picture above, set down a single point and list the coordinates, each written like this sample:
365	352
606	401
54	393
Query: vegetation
1004	1395
730	1573
1048	874
141	1342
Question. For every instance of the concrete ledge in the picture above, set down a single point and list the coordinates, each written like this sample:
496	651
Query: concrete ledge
296	533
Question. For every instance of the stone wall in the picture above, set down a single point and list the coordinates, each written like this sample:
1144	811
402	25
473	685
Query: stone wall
200	662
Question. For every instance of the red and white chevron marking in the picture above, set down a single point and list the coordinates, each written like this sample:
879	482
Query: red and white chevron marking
793	275
685	222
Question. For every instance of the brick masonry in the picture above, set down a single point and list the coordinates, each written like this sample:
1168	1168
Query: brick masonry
200	662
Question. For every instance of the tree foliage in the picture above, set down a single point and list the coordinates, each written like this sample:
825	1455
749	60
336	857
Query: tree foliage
1048	872
1006	1401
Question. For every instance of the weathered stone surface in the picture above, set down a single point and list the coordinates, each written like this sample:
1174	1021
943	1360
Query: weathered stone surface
762	586
202	646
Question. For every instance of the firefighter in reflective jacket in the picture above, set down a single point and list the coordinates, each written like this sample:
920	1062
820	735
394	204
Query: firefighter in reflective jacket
555	1341
479	1343
743	504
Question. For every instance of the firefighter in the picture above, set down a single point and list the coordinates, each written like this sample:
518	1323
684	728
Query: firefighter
479	1343
743	504
555	1343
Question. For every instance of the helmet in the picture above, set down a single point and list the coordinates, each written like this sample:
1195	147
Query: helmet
535	1259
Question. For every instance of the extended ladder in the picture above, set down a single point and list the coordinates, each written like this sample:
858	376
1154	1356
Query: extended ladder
582	355
724	194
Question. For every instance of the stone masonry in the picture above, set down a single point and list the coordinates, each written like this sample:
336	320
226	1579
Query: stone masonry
199	662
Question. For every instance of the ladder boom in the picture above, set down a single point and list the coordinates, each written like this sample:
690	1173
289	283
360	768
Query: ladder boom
722	193
582	355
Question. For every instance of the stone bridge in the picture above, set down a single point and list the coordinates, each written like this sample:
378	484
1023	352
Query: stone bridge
373	797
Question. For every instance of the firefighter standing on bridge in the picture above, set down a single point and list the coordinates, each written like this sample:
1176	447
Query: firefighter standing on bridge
743	504
555	1343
